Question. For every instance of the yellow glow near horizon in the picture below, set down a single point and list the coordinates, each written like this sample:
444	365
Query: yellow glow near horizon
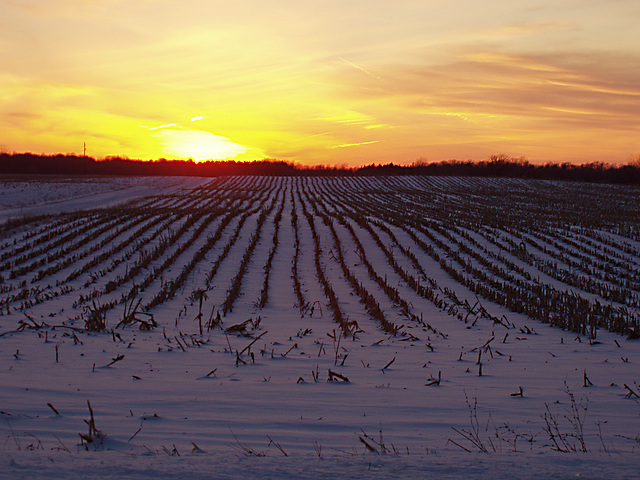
196	144
304	82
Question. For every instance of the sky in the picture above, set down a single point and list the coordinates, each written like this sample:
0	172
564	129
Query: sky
345	82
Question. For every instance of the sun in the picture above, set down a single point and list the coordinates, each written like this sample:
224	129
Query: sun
199	145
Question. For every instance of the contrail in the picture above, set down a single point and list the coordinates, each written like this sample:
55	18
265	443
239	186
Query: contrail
345	145
363	70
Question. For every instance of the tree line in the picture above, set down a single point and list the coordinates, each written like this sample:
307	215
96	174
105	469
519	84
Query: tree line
500	166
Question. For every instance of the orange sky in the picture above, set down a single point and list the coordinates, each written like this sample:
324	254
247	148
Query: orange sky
333	82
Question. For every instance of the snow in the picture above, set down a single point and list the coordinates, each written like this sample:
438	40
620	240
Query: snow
113	465
171	402
23	196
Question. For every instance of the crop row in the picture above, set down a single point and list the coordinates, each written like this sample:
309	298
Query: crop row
562	254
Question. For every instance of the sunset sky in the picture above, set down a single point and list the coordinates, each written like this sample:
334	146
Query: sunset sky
322	82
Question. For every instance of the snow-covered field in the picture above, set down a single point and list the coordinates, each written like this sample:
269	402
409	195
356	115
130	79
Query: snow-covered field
250	327
27	196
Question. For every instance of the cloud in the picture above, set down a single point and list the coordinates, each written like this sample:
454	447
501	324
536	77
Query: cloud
588	89
160	127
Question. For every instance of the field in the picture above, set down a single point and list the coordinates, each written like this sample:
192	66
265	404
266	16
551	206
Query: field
283	327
